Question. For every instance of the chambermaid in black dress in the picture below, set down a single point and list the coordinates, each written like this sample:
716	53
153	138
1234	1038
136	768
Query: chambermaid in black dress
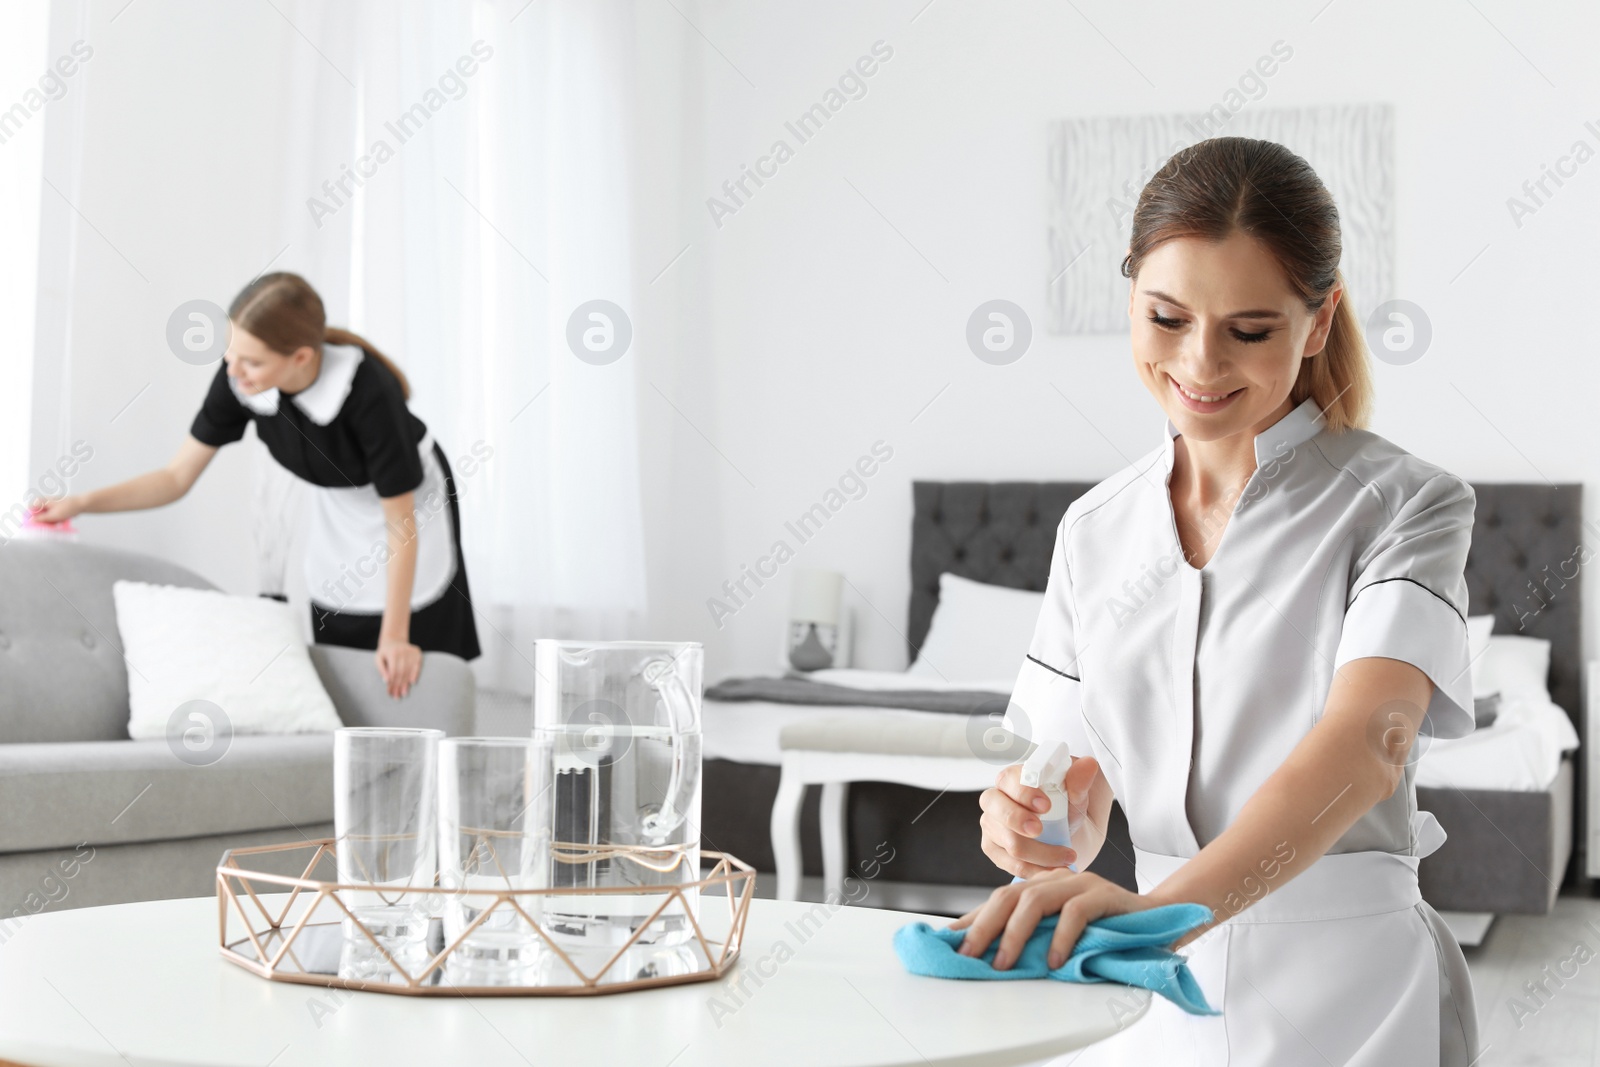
351	436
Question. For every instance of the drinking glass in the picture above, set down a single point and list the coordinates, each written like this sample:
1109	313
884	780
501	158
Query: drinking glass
385	796
494	836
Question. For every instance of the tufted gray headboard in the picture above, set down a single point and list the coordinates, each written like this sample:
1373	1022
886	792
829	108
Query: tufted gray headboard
1001	533
1523	565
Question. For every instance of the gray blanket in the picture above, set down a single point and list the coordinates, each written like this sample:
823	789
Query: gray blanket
792	690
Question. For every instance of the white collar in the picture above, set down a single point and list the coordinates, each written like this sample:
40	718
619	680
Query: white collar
322	399
1300	424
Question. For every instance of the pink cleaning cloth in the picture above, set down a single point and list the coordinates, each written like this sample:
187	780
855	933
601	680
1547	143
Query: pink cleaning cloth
33	524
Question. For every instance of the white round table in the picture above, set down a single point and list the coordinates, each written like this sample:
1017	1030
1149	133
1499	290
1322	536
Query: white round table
100	987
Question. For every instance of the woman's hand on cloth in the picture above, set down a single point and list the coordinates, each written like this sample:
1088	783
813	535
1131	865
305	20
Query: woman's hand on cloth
1013	912
1010	823
400	662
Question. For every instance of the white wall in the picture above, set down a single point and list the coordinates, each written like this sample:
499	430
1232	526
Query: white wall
783	344
827	329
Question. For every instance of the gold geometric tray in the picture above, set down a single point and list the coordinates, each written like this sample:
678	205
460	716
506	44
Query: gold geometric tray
301	938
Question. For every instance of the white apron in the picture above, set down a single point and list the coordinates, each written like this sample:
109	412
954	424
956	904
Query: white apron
1344	965
348	544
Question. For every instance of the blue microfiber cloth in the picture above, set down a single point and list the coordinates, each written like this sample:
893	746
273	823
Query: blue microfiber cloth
1119	948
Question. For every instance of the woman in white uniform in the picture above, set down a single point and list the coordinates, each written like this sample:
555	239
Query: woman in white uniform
1248	636
384	567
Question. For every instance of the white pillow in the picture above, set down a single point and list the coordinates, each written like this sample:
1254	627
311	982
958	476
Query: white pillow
1479	627
242	653
1515	667
979	632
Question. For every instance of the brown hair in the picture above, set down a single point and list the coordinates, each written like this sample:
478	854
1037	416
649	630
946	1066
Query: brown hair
286	314
1224	184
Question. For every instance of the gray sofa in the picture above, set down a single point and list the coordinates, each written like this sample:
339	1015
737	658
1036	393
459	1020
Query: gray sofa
88	816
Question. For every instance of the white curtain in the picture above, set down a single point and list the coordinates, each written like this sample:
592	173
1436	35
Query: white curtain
24	59
459	183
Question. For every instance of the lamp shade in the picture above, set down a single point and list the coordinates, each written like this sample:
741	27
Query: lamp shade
814	596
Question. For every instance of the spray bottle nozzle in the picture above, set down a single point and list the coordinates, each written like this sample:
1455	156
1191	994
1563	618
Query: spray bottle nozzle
1047	765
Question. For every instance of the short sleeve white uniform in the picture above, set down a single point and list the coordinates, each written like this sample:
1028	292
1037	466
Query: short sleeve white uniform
1192	686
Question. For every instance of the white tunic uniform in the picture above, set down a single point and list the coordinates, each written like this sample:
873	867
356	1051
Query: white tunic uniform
1192	686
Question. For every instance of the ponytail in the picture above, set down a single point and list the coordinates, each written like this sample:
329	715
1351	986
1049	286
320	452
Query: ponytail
285	313
334	335
1339	378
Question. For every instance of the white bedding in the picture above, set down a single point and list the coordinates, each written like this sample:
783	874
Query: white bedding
856	678
1520	751
747	730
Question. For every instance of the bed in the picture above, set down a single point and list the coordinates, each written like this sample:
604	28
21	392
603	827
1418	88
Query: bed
1514	824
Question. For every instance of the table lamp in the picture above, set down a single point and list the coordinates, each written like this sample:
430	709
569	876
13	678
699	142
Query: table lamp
818	633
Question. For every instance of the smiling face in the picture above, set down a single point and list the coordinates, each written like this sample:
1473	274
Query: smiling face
256	368
1218	334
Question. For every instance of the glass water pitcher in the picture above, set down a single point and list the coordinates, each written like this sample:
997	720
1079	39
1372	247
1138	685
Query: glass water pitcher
621	721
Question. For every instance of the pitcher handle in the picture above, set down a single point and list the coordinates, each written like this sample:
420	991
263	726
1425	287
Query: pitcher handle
682	783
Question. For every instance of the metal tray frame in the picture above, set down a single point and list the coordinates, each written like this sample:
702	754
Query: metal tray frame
237	884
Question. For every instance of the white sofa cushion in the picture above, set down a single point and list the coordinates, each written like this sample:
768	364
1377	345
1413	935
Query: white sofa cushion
244	655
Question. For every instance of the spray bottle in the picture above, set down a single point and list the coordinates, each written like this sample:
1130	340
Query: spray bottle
1044	769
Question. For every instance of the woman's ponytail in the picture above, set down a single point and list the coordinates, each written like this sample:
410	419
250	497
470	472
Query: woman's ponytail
285	313
1339	378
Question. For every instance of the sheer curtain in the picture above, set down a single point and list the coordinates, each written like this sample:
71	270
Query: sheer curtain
24	56
458	183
